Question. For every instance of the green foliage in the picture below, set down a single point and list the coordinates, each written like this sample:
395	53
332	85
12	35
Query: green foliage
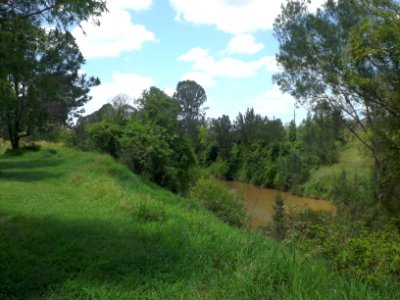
79	225
39	76
156	108
351	247
165	159
144	138
105	136
221	169
279	227
293	170
256	150
226	205
190	96
346	56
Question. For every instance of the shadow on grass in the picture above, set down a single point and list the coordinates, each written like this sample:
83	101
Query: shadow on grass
30	164
28	176
39	255
30	170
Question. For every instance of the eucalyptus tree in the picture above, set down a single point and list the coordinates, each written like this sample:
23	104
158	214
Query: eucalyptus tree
347	55
191	97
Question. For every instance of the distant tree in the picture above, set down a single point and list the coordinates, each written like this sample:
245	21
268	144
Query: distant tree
292	131
191	97
221	130
251	128
123	102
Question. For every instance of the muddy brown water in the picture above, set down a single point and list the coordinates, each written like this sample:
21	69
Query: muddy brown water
259	202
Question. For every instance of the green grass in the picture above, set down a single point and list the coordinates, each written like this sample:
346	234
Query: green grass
354	159
78	225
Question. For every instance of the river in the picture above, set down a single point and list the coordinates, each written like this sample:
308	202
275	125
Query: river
259	202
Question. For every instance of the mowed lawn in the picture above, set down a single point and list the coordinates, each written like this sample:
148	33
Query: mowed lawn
79	225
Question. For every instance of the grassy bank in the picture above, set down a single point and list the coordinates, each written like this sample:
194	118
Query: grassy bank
355	162
77	225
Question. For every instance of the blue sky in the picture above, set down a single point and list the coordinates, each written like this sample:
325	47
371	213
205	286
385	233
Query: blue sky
227	46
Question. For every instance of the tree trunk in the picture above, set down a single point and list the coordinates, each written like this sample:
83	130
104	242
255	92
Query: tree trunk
14	138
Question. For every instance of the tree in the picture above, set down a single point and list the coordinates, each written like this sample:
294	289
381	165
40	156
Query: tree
221	131
279	217
157	108
191	97
39	68
347	55
61	13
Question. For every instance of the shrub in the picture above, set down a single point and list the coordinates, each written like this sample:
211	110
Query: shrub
279	217
373	255
164	158
225	204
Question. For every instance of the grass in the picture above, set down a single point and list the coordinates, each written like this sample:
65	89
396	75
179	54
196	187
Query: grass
78	225
354	159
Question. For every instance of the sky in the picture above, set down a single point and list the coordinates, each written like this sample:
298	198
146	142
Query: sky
226	46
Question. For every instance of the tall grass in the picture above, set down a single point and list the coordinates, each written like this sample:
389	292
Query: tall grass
354	161
77	225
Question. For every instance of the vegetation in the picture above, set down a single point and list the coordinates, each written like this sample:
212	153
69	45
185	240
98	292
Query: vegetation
39	80
224	204
279	217
264	152
346	55
78	225
82	225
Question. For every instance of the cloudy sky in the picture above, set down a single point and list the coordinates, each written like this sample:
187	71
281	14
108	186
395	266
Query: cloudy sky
227	46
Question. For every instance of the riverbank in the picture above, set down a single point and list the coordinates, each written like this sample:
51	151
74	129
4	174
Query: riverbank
259	202
78	225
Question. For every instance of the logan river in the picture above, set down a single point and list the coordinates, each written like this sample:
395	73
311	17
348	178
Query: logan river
259	202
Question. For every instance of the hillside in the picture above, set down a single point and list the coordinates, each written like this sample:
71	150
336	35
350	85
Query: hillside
78	225
354	162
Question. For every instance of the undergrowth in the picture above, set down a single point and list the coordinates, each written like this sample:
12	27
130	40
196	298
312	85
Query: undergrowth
79	225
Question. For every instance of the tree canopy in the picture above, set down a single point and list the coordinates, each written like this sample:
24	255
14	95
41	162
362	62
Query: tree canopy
191	97
347	55
39	74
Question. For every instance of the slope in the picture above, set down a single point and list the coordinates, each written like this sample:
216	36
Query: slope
78	225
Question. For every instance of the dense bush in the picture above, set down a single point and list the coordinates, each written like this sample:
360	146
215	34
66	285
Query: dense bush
354	248
225	204
165	159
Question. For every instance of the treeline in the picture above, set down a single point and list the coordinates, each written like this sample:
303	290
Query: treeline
168	140
264	152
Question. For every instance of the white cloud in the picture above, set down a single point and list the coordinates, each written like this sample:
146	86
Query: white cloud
233	16
243	44
270	63
205	67
193	54
204	79
122	83
169	90
132	4
274	103
116	33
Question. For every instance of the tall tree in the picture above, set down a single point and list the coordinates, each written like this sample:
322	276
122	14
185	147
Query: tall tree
39	76
191	97
346	54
